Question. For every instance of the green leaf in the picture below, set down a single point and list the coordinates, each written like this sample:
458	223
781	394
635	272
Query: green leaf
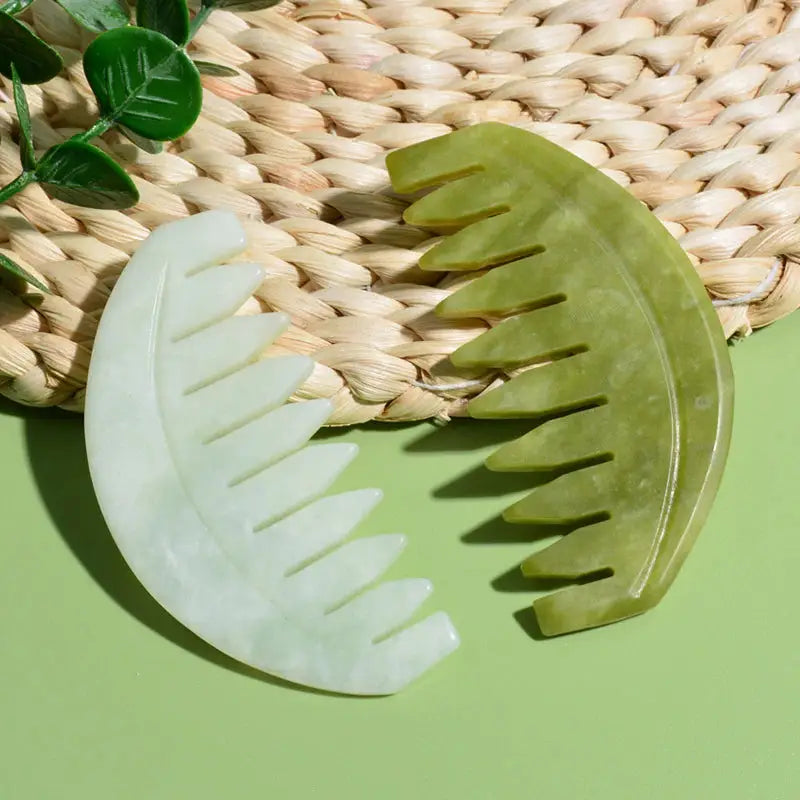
217	70
145	82
83	175
148	145
97	15
240	5
26	152
12	267
34	59
170	17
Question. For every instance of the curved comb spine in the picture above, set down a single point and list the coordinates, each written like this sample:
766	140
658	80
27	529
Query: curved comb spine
213	492
615	336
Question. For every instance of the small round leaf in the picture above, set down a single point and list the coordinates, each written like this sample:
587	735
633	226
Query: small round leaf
170	17
11	266
84	175
148	145
144	81
36	61
217	70
97	15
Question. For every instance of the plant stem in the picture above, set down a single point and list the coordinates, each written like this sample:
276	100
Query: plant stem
199	18
98	129
17	185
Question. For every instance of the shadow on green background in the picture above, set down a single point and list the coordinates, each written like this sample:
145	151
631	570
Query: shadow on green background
478	482
57	456
698	698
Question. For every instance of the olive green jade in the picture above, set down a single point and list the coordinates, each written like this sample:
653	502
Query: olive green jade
627	374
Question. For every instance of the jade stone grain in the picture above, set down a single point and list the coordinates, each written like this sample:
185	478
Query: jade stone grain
213	492
625	371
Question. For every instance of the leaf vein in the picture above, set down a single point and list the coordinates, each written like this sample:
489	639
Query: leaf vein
138	113
148	98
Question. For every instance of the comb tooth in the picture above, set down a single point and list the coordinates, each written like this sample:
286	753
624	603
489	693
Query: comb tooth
303	536
517	286
225	347
384	608
211	296
214	237
243	395
577	438
540	391
523	339
485	243
437	160
585	606
571	497
416	648
276	491
460	203
269	438
344	572
576	554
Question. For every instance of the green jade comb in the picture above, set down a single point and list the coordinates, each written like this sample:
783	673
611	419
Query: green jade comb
615	351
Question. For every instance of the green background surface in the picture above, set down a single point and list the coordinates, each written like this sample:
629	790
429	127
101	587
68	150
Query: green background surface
102	695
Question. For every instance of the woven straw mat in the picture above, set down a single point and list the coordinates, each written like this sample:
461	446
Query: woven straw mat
691	106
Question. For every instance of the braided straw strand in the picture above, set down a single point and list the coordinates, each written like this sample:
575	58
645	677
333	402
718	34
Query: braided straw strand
693	107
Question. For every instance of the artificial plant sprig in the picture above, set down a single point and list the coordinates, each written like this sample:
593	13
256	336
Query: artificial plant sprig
146	86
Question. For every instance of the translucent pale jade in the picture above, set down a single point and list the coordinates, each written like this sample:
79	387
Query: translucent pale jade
212	493
633	415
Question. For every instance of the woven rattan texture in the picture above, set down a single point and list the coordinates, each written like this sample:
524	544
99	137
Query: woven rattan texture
692	106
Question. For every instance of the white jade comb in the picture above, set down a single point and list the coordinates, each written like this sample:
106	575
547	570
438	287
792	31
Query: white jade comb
208	484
